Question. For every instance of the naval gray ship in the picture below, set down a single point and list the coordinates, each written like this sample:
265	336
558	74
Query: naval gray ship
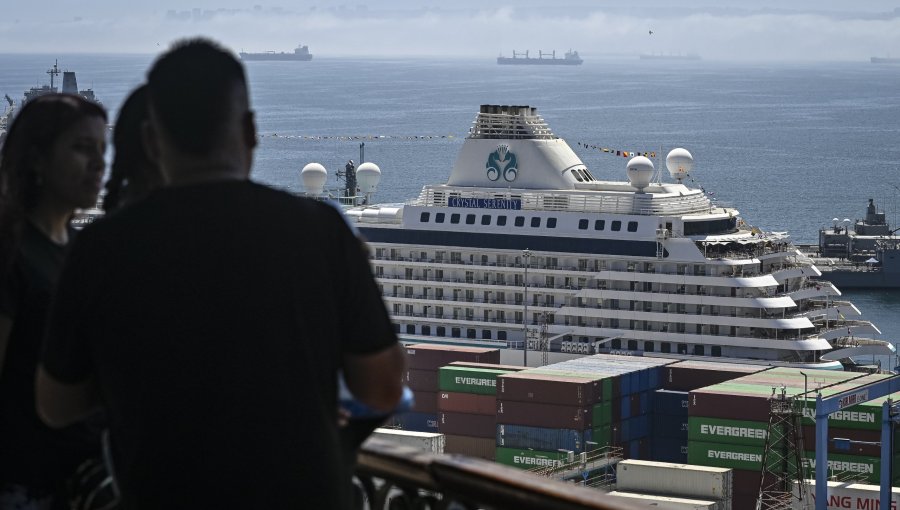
864	255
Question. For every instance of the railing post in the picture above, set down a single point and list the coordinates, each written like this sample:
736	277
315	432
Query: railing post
821	456
886	456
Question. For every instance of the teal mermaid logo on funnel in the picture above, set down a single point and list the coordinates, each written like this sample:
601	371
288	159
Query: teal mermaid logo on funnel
502	162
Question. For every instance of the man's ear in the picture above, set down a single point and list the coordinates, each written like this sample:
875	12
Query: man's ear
248	126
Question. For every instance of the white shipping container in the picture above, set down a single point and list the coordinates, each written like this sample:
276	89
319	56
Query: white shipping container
682	480
855	496
667	502
425	441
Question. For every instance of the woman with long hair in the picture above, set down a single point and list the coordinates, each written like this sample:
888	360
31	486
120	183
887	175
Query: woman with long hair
51	164
132	175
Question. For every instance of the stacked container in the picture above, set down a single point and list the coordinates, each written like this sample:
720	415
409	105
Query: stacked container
576	406
467	401
423	362
728	423
701	483
669	428
670	404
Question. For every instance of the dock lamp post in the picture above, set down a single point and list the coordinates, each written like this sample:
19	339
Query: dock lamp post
526	254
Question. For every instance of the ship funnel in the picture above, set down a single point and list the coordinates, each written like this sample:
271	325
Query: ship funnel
314	177
70	84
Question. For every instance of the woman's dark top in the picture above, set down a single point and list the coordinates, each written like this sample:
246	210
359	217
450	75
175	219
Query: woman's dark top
32	454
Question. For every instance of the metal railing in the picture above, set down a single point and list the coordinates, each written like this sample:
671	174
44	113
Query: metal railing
395	476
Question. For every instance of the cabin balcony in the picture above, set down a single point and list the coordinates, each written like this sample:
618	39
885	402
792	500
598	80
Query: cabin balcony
393	476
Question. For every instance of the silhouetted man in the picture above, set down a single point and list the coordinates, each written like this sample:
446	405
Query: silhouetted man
211	318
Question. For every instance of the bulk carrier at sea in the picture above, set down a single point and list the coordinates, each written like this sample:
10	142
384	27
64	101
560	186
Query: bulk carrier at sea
570	58
300	53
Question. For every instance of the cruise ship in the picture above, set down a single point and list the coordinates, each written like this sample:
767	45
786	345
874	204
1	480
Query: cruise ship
524	249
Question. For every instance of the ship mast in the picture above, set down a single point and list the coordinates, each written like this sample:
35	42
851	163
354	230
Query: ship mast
53	72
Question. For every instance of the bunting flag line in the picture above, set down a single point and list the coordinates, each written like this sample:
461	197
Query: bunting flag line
618	152
357	137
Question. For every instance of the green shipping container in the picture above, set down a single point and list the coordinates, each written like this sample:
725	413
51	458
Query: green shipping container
602	435
478	381
602	413
749	458
528	459
717	430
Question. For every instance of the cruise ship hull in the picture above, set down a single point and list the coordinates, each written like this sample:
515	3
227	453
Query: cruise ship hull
524	250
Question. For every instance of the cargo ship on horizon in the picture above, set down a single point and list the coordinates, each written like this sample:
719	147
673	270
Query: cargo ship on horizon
300	53
570	58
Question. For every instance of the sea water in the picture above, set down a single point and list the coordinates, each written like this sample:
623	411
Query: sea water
790	145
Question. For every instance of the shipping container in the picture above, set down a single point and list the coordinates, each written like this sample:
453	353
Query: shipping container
668	426
505	368
425	441
472	425
550	389
670	402
674	479
434	356
422	422
467	403
478	447
717	430
421	380
631	429
528	459
663	502
425	402
544	415
602	414
856	496
665	449
539	438
691	375
480	381
749	458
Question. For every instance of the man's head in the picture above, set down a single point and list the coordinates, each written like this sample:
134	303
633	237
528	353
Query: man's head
200	116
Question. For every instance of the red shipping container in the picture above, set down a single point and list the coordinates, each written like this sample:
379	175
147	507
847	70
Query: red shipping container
467	403
544	415
691	375
433	356
549	389
472	425
425	402
478	447
422	380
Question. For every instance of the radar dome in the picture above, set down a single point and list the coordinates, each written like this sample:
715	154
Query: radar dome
368	175
640	171
314	177
679	162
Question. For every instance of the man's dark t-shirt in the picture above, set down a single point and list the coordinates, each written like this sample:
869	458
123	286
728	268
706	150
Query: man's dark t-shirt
214	317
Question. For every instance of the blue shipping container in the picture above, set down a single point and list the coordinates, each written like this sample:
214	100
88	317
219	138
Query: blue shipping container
669	426
669	450
418	422
544	439
670	402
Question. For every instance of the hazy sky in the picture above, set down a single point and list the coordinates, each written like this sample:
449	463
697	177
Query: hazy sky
723	29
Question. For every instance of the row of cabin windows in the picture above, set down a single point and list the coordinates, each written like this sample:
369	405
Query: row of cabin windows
614	226
471	333
470	219
666	347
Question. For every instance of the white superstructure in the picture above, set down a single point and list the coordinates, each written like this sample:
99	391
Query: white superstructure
523	232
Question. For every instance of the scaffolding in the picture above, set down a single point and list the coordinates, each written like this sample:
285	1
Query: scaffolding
783	484
595	468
